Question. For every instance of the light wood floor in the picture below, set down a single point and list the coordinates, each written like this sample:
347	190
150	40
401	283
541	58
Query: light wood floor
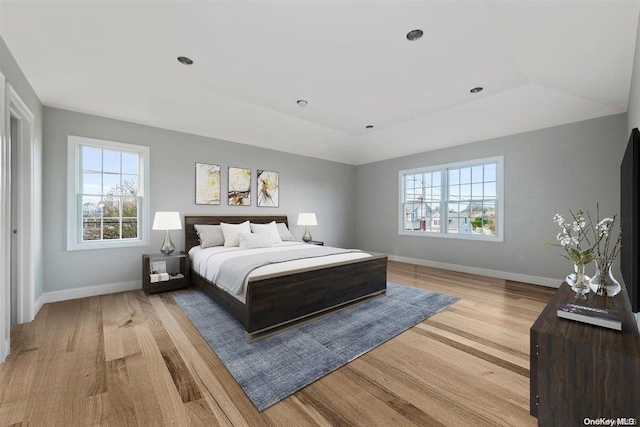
130	359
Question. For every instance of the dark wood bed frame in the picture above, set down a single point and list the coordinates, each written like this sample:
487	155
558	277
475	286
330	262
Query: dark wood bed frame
274	302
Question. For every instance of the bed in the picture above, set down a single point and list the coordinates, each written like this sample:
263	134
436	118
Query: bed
274	301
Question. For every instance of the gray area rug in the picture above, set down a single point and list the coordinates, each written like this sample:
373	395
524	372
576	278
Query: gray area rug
275	367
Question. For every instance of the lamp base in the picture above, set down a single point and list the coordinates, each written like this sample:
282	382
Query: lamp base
307	236
167	246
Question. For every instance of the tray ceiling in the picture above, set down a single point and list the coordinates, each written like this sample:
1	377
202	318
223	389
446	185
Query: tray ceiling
541	63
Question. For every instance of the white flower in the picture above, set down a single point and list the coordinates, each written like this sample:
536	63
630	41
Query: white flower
605	224
559	219
579	224
575	240
559	237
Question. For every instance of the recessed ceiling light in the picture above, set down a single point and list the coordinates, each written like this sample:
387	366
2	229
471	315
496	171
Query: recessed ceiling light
369	126
302	103
476	89
184	60
414	35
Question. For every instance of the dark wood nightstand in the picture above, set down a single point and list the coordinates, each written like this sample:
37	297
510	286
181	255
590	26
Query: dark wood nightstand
315	242
176	266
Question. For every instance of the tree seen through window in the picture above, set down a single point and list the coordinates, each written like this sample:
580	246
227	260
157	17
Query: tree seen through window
110	203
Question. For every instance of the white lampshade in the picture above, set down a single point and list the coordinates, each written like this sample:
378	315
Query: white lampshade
307	219
167	221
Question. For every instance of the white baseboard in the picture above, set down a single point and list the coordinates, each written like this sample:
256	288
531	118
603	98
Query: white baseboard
90	291
638	319
516	277
4	352
37	306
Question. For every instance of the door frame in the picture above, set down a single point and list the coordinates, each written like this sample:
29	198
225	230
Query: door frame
5	229
25	199
13	105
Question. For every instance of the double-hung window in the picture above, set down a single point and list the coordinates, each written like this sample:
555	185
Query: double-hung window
108	194
458	200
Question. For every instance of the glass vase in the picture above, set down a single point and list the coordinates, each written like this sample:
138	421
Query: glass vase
603	283
571	279
579	282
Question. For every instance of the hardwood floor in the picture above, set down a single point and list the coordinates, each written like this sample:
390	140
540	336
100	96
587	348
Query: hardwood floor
131	359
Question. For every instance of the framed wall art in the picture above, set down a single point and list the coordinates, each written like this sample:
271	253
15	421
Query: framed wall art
239	187
268	189
207	184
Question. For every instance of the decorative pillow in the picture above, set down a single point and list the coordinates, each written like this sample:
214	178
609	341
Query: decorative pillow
210	235
270	228
231	232
255	240
285	234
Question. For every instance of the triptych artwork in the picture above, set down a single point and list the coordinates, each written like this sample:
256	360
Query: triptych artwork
209	183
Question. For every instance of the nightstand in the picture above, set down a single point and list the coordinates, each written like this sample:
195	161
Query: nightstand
175	265
315	242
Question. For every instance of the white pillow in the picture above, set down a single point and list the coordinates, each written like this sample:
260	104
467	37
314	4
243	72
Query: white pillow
285	234
210	235
270	228
231	232
253	240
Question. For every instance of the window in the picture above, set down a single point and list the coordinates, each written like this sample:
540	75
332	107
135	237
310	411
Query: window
461	200
108	203
423	192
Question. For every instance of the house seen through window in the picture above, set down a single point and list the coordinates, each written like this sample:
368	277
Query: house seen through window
108	203
109	194
460	200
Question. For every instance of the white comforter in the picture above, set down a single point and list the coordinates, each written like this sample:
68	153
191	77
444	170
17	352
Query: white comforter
206	262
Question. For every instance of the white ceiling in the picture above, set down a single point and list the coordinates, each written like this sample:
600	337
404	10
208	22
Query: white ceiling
542	63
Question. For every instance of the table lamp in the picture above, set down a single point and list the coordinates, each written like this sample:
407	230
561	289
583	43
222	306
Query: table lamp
167	221
307	219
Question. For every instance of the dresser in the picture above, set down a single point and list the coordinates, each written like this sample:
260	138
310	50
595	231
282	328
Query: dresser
583	371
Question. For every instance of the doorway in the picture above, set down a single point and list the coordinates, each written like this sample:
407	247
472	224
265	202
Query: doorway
20	174
13	245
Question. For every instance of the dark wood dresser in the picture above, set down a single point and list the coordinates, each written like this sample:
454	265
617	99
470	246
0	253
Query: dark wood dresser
582	371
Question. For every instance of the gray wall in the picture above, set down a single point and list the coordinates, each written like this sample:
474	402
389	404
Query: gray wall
306	185
14	76
546	171
633	111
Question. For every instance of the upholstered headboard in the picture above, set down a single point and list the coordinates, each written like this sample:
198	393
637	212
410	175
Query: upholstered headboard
191	237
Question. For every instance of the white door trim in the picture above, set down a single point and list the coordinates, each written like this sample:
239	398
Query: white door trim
25	198
5	232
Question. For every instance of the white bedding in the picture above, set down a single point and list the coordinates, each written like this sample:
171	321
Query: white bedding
206	262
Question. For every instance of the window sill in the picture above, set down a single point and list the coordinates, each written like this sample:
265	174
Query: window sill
472	237
87	246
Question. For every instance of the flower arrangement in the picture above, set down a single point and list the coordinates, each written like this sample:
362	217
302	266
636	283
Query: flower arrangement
573	237
607	250
574	240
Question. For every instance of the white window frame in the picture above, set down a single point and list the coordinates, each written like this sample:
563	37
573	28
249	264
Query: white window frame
74	205
444	194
